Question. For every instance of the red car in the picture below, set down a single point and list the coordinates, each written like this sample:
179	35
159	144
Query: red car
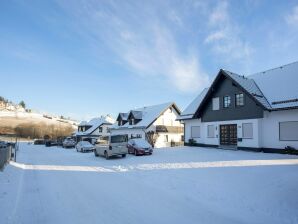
139	146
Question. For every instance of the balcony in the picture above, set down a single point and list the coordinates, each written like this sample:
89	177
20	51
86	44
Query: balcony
169	129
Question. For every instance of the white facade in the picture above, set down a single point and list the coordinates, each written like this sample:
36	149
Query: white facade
265	131
167	118
102	130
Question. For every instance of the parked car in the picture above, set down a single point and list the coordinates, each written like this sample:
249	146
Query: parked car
3	144
68	143
49	143
60	140
84	146
139	146
113	145
39	142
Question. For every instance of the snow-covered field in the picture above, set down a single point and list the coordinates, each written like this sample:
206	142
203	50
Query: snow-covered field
181	185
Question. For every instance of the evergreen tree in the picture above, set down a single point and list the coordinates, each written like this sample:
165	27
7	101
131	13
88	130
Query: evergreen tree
22	104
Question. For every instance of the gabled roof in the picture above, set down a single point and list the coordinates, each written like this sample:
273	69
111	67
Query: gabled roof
122	116
275	89
250	87
136	114
279	85
95	123
149	115
192	108
83	123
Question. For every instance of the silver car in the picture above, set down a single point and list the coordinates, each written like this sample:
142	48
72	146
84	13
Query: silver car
113	145
68	143
84	146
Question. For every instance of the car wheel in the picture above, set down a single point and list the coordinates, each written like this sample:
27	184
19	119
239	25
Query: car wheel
77	150
135	152
123	155
95	153
106	155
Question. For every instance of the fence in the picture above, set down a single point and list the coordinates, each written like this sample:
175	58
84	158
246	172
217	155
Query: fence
5	156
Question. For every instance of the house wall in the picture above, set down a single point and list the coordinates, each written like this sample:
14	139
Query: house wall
103	132
270	128
168	118
225	87
204	139
265	131
129	132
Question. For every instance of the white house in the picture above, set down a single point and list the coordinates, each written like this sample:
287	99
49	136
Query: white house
153	122
255	112
94	128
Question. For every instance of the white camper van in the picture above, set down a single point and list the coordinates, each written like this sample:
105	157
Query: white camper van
113	145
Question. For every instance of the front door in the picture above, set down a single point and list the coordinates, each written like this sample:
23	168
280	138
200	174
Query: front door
228	134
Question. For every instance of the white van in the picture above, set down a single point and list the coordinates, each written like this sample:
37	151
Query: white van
113	145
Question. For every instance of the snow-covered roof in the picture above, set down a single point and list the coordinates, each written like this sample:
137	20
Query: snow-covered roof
95	123
279	85
148	115
273	89
123	116
191	109
83	123
136	114
251	87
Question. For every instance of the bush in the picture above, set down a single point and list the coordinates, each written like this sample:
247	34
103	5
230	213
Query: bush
291	150
42	130
191	141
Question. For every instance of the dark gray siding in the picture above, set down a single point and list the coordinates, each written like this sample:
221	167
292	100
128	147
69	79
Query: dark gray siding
225	87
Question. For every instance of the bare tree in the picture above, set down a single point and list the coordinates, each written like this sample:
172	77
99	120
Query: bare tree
151	137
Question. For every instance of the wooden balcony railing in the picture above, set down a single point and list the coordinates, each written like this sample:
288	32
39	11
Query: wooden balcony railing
169	129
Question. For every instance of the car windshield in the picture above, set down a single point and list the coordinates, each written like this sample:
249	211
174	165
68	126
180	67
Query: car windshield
141	143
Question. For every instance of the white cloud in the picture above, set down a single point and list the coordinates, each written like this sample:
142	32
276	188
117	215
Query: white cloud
174	17
219	14
224	35
142	41
215	36
292	18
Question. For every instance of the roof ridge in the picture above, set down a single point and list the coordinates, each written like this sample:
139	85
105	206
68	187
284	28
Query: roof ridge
279	67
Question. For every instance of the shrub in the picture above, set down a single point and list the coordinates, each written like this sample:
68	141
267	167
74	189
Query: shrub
191	141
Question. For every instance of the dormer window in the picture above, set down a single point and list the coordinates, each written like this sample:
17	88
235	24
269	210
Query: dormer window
132	121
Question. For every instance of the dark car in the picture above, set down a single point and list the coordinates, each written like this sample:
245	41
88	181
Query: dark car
139	146
3	144
50	143
39	142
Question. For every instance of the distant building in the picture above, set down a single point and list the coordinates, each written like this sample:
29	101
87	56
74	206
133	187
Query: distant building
256	112
94	128
156	122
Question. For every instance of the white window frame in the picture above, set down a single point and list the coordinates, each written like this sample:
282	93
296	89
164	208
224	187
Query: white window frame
213	126
252	131
215	103
191	132
281	138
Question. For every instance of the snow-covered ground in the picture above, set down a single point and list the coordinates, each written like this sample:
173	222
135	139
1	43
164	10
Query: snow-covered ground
181	185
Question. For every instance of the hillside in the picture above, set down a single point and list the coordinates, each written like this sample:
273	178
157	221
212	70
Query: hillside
34	125
17	120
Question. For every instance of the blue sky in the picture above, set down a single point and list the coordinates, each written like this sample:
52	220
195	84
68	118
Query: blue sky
87	58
